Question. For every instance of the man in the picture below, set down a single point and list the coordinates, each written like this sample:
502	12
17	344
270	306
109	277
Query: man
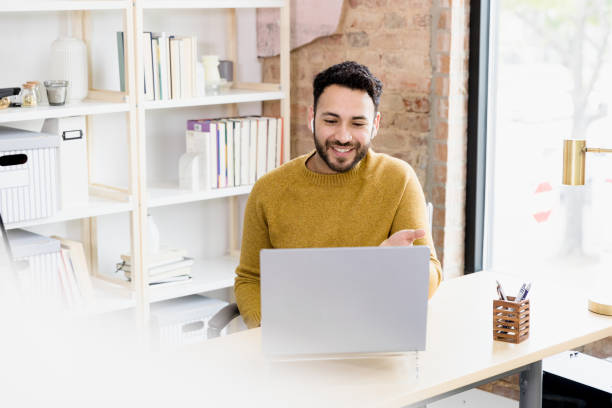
341	195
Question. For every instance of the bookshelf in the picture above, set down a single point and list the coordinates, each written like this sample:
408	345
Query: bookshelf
139	193
212	271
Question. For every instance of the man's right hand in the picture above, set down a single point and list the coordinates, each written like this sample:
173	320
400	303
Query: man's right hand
404	237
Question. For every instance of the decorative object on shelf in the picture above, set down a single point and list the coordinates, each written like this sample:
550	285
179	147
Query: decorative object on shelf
226	71
152	236
9	91
28	95
574	163
213	78
73	174
69	62
37	90
200	79
5	102
56	92
189	172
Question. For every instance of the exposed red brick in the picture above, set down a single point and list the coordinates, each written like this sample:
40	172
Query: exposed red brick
440	152
358	39
394	21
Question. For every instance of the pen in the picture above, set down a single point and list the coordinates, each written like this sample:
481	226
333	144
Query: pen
526	291
520	294
500	291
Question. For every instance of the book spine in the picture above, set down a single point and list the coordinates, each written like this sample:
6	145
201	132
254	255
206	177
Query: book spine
121	60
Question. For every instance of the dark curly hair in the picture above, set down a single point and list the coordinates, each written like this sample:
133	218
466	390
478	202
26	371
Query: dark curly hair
351	75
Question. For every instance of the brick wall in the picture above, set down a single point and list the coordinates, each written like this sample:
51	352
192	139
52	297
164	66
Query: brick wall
407	44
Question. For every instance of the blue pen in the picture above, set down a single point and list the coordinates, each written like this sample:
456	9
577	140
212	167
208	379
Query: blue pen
526	291
521	292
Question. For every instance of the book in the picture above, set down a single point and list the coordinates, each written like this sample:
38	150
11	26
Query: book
222	154
80	267
262	144
173	280
193	66
252	150
156	72
121	59
161	269
236	124
214	155
175	68
280	142
147	60
164	281
164	256
244	151
271	145
163	63
229	143
64	271
186	67
164	275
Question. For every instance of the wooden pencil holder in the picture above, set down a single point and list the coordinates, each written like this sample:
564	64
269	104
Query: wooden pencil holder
510	320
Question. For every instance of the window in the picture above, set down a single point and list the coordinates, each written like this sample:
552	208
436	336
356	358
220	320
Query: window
548	79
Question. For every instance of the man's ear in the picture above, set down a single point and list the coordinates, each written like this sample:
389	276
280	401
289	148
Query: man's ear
375	126
311	118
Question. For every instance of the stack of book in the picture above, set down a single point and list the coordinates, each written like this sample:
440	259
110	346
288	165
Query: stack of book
164	267
235	151
170	63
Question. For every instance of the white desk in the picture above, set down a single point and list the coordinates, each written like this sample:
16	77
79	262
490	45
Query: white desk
460	354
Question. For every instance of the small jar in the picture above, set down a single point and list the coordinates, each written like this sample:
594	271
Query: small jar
28	95
37	90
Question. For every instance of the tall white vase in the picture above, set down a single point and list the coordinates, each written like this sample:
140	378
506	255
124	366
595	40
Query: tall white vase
69	62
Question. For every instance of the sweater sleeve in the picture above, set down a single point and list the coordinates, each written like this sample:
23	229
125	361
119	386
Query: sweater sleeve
412	214
255	237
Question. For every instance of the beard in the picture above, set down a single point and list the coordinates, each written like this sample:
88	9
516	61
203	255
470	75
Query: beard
343	164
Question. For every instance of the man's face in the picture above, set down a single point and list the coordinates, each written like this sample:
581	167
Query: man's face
344	124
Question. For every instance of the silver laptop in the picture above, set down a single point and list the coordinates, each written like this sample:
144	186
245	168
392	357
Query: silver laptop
339	302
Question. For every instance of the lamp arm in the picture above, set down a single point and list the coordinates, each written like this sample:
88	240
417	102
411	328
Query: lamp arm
598	150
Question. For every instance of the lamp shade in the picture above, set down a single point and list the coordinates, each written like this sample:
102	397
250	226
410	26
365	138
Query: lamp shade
574	157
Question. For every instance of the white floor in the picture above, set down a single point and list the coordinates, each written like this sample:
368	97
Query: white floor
475	399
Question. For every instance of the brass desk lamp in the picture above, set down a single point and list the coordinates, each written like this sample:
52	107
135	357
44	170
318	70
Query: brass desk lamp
574	158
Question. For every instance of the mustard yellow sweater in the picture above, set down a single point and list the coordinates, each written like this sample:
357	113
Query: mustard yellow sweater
294	207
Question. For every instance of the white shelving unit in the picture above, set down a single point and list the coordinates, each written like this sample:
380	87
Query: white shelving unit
63	5
96	206
218	272
169	194
84	108
229	97
210	273
103	199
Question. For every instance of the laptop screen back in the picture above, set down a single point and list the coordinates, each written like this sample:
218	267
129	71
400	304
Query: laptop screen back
321	301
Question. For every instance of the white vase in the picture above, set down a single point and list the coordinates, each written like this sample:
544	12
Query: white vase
69	62
152	239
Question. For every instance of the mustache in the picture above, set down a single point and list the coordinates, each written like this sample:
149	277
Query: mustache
347	144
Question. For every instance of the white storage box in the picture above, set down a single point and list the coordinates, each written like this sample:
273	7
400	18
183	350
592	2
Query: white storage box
73	173
41	281
183	320
28	174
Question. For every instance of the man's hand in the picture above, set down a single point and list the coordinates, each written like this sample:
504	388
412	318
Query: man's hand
404	237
